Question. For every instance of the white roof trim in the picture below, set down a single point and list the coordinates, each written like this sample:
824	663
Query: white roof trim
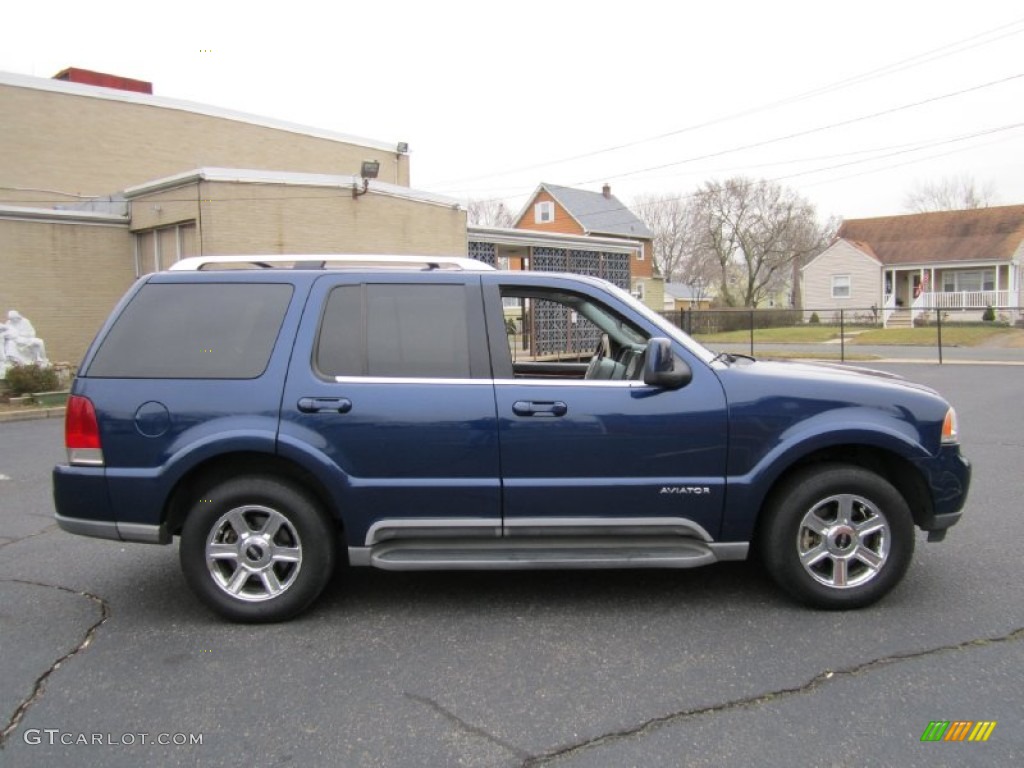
55	216
287	178
508	236
131	97
543	187
945	265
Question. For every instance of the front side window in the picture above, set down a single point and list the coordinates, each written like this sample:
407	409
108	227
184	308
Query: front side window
555	333
840	286
194	331
395	331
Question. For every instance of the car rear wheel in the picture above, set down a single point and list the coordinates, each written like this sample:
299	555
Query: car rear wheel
837	536
257	549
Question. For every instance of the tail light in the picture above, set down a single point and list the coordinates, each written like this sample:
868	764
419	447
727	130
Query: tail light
82	433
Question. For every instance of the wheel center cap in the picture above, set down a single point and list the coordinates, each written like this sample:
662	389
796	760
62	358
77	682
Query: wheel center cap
841	539
255	551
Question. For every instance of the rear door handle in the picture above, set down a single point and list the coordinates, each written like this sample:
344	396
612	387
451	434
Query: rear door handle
536	408
325	404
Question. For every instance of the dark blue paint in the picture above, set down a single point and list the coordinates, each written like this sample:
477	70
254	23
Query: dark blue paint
486	448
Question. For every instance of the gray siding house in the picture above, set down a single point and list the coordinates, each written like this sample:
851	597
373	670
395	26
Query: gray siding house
958	263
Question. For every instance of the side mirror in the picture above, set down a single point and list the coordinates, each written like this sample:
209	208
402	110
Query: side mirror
663	368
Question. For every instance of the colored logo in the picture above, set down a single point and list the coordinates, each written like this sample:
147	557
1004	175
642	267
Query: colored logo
958	730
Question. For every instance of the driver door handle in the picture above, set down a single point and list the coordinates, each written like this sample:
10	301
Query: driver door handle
324	404
535	408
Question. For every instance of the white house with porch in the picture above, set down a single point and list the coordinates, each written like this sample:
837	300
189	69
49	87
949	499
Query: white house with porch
907	267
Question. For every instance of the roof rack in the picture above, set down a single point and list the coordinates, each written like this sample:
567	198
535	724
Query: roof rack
329	261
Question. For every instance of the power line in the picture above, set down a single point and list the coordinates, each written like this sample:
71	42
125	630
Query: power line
898	66
809	131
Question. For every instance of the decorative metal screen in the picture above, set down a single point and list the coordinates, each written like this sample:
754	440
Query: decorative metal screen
613	267
558	331
485	252
554	329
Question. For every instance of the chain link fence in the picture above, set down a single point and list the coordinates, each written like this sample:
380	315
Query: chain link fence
858	332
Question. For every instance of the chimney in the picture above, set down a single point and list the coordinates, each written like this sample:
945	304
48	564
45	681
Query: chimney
607	192
88	77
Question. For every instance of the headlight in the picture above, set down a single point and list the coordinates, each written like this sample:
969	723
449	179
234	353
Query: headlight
950	428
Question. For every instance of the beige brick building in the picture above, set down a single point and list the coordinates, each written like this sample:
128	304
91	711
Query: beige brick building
100	185
64	141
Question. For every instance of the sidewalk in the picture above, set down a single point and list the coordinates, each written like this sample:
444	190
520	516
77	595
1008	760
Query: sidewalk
29	414
883	353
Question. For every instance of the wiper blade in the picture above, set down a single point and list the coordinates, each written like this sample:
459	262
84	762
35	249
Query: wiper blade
731	357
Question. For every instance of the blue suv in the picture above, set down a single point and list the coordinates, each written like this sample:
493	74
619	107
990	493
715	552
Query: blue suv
283	414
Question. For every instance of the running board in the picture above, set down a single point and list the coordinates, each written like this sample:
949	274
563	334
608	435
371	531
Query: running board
538	553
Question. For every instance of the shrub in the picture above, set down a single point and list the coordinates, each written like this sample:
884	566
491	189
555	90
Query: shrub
990	314
814	320
23	379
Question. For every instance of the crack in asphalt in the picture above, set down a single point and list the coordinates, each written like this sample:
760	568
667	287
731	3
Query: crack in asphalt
818	680
40	683
468	727
47	529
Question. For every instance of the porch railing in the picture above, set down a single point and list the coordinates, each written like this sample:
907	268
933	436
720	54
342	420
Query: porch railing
888	307
965	299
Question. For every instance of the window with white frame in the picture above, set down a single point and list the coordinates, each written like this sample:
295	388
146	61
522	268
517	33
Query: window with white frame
544	212
840	286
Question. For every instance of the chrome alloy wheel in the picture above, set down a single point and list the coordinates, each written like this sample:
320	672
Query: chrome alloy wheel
253	553
843	541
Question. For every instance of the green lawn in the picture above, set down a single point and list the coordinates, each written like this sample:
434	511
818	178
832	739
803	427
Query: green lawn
952	335
794	334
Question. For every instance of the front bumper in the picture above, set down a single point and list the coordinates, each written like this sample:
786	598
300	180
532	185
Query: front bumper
949	478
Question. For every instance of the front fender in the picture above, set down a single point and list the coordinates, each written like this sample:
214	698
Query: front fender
748	483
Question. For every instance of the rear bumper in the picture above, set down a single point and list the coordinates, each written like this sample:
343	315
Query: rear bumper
83	507
147	534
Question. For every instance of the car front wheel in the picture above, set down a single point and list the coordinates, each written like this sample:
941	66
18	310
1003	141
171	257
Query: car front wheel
837	536
257	549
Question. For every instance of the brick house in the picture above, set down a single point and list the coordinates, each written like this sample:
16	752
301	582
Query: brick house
578	212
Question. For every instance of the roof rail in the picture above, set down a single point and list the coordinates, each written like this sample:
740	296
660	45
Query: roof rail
329	261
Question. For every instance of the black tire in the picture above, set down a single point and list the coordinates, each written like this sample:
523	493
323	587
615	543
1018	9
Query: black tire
837	536
257	549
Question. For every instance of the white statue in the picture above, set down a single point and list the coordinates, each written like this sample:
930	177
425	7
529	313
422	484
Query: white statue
20	343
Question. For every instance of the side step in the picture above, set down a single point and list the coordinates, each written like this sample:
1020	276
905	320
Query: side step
539	553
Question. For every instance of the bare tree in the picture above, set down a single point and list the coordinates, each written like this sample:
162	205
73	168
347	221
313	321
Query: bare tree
671	218
952	193
753	231
489	213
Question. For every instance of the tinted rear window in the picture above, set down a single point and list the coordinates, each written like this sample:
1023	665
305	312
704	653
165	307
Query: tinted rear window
394	330
194	331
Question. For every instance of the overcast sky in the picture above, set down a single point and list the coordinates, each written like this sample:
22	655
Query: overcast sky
852	105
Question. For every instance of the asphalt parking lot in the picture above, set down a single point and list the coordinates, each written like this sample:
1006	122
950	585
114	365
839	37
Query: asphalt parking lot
104	653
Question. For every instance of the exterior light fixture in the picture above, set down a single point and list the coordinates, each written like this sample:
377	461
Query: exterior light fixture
368	170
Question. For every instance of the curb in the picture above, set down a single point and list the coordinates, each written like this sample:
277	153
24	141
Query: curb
31	414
